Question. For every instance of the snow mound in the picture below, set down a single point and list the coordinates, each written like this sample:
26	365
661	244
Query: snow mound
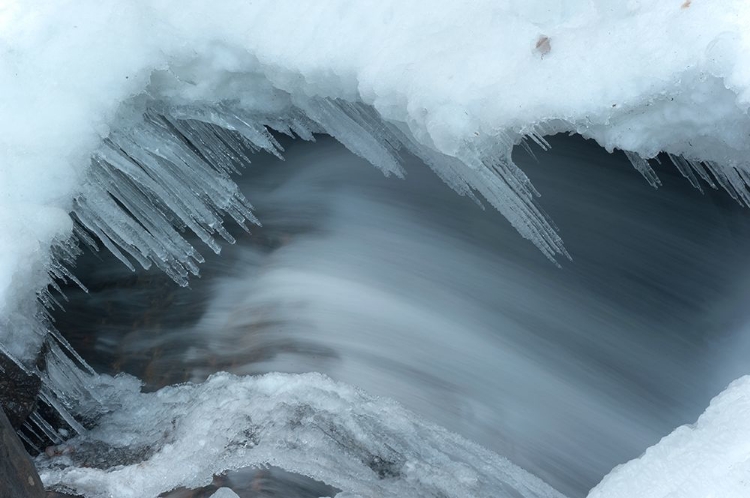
708	458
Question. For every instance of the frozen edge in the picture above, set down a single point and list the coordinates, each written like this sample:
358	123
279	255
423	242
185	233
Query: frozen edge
306	424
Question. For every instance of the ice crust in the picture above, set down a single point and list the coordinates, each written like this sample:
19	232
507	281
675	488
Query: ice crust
458	83
307	424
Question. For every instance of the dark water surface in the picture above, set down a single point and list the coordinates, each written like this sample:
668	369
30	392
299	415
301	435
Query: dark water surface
409	291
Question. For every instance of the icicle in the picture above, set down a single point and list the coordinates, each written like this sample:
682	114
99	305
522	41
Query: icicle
80	233
495	176
172	171
687	169
26	440
72	352
161	176
731	180
230	118
538	138
67	385
527	148
50	399
359	131
643	168
45	427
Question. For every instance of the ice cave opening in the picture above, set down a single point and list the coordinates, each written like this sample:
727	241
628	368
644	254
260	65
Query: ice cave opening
404	289
503	309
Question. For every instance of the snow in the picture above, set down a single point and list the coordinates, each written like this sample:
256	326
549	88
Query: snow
708	458
93	91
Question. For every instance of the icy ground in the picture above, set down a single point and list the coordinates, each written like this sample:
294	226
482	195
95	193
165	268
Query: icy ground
94	95
304	423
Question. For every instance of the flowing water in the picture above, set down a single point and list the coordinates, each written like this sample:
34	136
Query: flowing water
411	292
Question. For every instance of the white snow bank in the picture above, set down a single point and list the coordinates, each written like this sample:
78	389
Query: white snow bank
306	424
459	83
710	458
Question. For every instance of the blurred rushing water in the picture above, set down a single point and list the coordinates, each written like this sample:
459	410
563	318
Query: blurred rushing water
409	291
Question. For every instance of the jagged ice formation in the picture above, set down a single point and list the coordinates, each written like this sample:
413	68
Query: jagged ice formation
306	423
